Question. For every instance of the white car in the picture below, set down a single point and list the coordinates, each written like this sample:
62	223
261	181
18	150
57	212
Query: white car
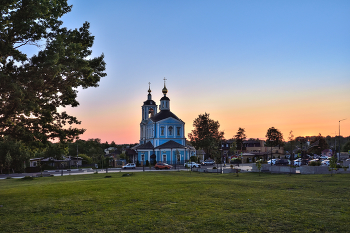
297	162
129	165
192	164
208	162
325	162
273	161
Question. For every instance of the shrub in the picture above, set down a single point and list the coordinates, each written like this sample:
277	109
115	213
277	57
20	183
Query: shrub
315	163
147	163
214	168
339	166
9	177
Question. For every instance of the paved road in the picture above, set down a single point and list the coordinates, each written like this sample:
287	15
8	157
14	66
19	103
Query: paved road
243	167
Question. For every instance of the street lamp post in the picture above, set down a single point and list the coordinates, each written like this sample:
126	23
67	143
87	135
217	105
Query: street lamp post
220	151
271	154
77	155
271	150
339	138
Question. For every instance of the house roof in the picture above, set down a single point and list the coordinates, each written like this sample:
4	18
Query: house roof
163	114
130	152
147	145
170	144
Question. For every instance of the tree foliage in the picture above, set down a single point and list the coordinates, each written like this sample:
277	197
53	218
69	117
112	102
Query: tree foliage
92	148
55	150
233	146
206	135
318	144
274	137
333	164
32	88
240	137
13	155
346	147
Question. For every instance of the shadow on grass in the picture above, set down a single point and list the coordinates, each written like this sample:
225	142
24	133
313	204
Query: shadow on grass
26	178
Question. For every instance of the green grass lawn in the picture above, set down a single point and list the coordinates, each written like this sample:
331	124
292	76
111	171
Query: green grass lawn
176	202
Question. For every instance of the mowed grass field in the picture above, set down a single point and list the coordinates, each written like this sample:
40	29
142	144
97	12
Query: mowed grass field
176	202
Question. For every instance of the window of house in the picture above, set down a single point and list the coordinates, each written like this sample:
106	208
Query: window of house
142	157
178	130
162	130
170	130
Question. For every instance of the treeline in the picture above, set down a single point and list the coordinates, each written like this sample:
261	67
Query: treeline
15	155
316	144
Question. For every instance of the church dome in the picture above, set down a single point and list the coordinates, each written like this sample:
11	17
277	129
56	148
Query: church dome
165	90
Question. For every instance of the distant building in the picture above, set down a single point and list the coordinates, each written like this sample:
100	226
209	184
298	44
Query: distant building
65	162
327	152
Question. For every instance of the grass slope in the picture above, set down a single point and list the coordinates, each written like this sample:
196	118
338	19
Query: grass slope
176	202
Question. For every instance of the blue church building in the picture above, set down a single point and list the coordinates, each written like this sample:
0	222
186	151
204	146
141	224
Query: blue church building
162	134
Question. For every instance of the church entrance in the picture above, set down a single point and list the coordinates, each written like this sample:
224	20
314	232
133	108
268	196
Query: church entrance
164	158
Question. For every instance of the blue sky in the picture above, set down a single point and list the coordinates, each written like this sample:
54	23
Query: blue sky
250	64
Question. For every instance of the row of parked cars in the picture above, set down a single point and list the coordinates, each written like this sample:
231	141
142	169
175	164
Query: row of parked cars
160	166
298	162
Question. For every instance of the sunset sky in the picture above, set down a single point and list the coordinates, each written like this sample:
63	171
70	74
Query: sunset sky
250	64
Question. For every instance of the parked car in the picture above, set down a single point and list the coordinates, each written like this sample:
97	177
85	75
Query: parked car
208	162
236	161
297	162
282	162
273	161
129	165
162	166
325	162
192	164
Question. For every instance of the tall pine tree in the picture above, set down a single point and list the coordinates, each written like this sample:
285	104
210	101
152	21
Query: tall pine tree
32	88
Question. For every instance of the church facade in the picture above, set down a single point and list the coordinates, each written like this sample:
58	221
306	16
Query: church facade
162	134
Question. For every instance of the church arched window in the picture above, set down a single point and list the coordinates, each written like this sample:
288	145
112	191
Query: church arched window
162	130
170	130
178	131
150	113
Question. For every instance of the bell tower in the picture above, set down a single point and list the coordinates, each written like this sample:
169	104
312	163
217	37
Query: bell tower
164	101
149	109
